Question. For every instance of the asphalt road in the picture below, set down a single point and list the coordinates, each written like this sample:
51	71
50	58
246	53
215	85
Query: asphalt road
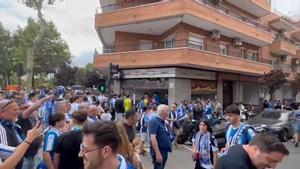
181	159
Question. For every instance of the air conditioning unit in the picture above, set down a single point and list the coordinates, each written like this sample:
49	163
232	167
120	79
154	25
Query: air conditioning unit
237	42
282	32
284	57
215	34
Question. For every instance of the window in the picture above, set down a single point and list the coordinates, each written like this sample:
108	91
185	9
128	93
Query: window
224	49
243	53
170	42
145	45
252	56
196	42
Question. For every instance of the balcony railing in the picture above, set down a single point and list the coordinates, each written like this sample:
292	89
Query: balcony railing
113	7
180	44
287	39
234	14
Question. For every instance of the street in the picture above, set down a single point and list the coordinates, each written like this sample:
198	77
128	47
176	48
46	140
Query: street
181	159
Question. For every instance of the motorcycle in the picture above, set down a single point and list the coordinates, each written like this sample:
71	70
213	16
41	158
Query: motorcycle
191	127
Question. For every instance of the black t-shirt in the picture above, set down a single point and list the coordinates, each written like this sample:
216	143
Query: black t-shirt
27	124
119	106
237	158
129	131
198	112
68	147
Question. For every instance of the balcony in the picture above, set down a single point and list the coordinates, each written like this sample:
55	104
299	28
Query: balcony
296	34
234	14
284	46
282	23
109	6
146	19
180	53
257	8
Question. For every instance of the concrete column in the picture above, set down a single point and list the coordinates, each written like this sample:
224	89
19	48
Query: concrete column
278	94
298	97
116	87
179	90
237	91
220	91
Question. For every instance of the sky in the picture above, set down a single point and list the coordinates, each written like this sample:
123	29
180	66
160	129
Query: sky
74	19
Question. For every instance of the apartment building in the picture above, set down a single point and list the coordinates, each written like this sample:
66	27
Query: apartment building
186	49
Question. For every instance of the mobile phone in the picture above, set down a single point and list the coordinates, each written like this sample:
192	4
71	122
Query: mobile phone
40	115
39	123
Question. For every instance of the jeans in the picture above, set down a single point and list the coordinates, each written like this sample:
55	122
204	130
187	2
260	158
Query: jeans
157	165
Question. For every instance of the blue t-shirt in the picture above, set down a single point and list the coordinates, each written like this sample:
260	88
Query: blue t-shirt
144	123
242	135
51	140
158	127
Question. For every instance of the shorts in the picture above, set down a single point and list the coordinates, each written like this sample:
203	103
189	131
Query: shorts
297	128
144	137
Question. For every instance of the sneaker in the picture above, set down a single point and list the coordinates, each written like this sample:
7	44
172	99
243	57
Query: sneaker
296	144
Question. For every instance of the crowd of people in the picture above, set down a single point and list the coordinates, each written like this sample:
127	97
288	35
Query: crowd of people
61	129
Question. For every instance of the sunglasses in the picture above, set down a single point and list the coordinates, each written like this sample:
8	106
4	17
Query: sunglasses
8	103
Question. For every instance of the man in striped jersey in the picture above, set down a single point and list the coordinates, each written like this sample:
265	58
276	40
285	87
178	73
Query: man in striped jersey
11	134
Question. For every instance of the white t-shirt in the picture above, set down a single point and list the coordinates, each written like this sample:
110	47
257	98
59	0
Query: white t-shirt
74	107
106	117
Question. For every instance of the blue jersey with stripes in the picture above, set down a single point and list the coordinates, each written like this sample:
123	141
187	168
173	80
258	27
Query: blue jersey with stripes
241	135
51	140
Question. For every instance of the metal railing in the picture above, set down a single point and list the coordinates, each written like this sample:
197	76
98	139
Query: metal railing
113	7
234	14
287	39
179	44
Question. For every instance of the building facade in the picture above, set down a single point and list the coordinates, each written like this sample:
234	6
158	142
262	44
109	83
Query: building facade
187	49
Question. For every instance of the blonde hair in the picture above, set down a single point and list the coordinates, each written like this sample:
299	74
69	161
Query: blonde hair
126	149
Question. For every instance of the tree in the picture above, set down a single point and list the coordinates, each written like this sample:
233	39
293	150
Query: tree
37	5
51	53
66	75
92	77
6	55
295	84
273	81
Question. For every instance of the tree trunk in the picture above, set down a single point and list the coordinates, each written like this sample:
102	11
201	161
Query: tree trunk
6	80
272	95
32	50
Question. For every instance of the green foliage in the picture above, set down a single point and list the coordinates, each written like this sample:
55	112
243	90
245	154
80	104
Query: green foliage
52	51
6	55
66	75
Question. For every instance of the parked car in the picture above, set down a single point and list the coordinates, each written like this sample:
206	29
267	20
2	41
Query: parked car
276	122
190	128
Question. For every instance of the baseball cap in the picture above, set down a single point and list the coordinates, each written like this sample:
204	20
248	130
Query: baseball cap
4	103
